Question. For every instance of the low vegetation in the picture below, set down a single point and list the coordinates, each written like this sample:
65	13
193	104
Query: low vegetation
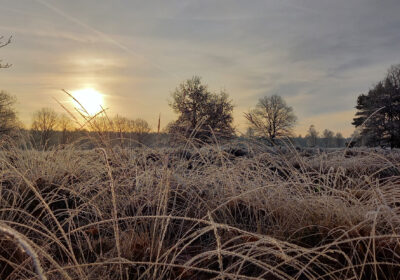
233	211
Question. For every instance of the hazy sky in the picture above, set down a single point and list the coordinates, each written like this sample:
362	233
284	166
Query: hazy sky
318	54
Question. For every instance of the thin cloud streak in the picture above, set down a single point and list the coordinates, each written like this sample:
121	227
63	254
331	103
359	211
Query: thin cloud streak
104	36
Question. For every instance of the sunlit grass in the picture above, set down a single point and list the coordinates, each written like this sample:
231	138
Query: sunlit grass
201	213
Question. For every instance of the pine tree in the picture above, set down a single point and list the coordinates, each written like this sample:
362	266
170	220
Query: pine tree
378	113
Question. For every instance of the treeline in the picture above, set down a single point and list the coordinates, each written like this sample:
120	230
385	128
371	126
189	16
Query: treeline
327	139
313	139
86	139
50	128
203	116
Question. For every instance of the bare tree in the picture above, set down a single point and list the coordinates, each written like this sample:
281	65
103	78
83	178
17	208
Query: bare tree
328	138
249	132
8	116
339	139
312	136
44	125
121	125
126	128
101	124
65	125
140	127
3	44
271	118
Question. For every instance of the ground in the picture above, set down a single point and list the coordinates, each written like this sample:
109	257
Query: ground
235	211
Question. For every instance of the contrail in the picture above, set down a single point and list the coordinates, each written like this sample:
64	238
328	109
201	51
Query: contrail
102	35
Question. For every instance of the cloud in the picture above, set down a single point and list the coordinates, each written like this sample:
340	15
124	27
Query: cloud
319	55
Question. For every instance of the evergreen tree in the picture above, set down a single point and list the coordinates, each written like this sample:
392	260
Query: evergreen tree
378	114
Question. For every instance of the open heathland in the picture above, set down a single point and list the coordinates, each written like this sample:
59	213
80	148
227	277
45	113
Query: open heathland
237	211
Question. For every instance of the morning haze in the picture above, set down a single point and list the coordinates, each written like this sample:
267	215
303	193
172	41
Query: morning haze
318	55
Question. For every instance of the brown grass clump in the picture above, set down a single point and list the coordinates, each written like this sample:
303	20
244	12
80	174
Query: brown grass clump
216	212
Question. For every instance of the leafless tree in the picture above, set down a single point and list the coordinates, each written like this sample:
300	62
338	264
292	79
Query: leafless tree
3	44
65	125
140	126
44	125
121	125
124	125
126	128
8	116
393	76
312	136
339	139
271	118
328	138
101	124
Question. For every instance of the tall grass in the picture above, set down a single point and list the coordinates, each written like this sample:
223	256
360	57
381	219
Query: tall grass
199	213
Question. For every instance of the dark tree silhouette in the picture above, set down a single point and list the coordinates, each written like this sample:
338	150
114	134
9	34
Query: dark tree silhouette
328	139
44	125
65	125
312	136
126	128
378	111
8	116
271	118
339	140
3	44
201	112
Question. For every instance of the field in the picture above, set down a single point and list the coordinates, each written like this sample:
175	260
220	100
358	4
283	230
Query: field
244	211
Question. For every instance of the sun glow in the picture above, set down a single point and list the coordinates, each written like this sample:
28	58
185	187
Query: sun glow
90	99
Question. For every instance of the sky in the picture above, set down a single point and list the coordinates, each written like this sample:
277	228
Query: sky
319	55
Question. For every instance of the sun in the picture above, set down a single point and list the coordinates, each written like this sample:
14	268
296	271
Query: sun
90	99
